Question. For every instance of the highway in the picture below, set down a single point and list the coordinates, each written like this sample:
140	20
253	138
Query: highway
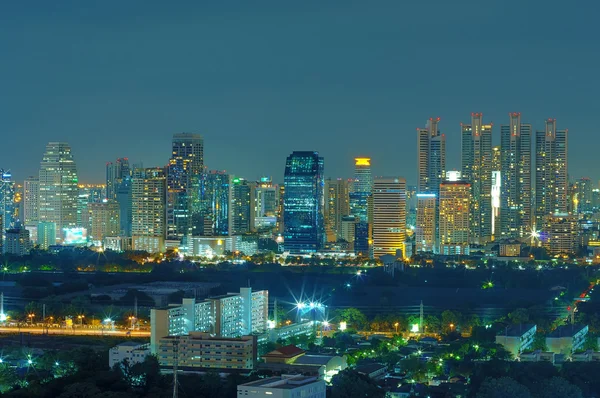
75	331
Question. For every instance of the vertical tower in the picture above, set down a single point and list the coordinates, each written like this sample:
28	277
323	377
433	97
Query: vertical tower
363	179
584	195
389	216
266	205
104	220
7	200
148	229
337	206
431	157
58	189
496	191
425	229
215	204
31	192
242	212
115	173
185	166
550	171
455	203
515	158
303	202
477	170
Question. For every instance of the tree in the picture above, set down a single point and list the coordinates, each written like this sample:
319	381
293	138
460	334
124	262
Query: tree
351	384
518	316
539	342
449	321
558	387
354	317
503	387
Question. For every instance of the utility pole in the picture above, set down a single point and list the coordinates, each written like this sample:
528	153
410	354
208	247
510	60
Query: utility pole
421	317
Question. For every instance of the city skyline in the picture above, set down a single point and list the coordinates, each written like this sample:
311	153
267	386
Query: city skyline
272	79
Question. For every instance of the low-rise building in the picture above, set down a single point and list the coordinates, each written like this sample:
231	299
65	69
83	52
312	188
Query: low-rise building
517	338
509	248
198	352
538	356
567	339
17	242
131	351
286	386
374	371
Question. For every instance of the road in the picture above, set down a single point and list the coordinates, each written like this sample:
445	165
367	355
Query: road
76	332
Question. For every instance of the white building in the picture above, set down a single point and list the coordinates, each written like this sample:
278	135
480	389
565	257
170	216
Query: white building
131	351
284	387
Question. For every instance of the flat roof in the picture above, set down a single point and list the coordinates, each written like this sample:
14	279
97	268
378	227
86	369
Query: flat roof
282	383
314	359
567	330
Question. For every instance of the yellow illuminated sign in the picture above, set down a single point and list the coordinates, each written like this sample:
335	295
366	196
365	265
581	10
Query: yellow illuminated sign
362	161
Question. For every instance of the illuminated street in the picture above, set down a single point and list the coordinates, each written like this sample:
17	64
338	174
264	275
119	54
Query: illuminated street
75	332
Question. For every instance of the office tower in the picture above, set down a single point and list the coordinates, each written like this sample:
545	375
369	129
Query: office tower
583	196
115	173
31	189
425	228
280	225
431	157
477	170
58	188
363	179
17	242
455	210
348	230
123	198
46	235
389	216
362	235
303	203
266	205
496	191
560	233
551	164
337	206
515	159
148	194
7	200
213	213
104	220
241	211
184	170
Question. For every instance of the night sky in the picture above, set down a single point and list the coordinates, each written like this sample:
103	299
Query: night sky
259	79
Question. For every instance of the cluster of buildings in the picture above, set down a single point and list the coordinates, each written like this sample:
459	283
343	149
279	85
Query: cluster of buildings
517	190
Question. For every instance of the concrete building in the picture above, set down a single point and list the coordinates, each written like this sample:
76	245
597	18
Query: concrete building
148	210
431	157
389	216
211	246
232	315
58	188
454	217
348	230
517	338
426	227
31	195
477	170
131	351
337	206
516	189
17	242
285	386
117	243
560	233
104	220
46	235
567	339
496	193
509	248
204	352
241	207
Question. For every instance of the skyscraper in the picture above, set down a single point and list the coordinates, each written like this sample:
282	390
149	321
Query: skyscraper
104	220
7	200
115	173
337	206
303	203
215	204
31	193
148	194
425	229
515	158
266	205
584	195
389	216
455	211
477	170
363	179
550	171
431	157
58	189
242	212
496	191
185	166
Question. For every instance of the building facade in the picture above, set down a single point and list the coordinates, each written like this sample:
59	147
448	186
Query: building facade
31	193
389	216
303	208
454	220
17	242
287	386
104	220
431	157
148	189
426	228
560	233
337	206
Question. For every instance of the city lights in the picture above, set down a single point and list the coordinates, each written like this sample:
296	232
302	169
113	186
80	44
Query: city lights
343	326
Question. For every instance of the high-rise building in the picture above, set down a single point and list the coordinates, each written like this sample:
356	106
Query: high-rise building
17	242
389	216
454	220
336	206
31	192
431	157
125	206
242	211
184	171
148	194
58	188
551	164
7	200
363	179
266	205
115	173
425	229
213	215
515	158
46	235
303	208
104	220
496	193
584	196
477	170
560	233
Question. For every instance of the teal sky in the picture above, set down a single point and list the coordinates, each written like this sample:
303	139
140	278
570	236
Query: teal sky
260	79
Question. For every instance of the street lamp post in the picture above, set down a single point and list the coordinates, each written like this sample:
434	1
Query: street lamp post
396	326
31	316
81	320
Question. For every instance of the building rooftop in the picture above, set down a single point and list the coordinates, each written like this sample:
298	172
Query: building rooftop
287	351
516	330
130	344
369	368
282	383
313	360
566	331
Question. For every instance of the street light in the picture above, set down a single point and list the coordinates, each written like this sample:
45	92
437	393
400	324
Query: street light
396	326
31	316
80	317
